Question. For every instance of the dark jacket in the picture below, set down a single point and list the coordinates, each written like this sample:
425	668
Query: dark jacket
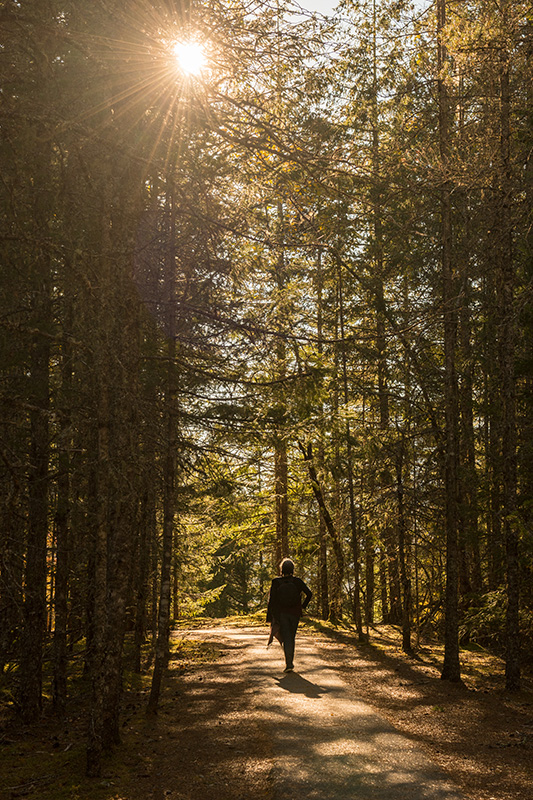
273	603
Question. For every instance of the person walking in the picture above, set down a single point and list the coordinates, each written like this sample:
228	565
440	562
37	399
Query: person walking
285	608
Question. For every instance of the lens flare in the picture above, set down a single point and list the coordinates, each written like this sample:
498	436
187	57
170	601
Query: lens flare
190	57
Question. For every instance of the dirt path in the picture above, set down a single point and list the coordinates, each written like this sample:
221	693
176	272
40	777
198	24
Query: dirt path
326	743
249	731
475	731
204	743
232	726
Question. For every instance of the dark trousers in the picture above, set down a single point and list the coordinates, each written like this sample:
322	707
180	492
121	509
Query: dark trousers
288	624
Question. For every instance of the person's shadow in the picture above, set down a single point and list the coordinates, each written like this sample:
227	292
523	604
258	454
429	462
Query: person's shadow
292	682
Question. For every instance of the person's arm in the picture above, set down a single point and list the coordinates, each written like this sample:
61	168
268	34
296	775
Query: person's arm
270	607
308	595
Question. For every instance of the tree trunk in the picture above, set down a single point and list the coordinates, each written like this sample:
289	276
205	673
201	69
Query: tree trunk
280	444
147	516
59	687
451	667
506	283
323	581
163	624
31	661
11	550
323	588
354	528
281	500
469	510
307	453
493	468
385	611
383	392
393	573
98	577
369	577
402	547
99	589
119	568
34	609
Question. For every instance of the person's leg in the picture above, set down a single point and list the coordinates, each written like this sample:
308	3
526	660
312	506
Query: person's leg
289	625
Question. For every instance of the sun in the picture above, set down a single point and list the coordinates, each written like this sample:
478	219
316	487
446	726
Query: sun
190	57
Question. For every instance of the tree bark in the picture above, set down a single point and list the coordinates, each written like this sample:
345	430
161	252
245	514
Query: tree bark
506	283
385	612
307	453
59	686
393	575
281	500
383	392
470	502
99	590
323	586
163	624
147	517
370	580
451	668
323	577
99	356
31	661
354	528
402	548
34	609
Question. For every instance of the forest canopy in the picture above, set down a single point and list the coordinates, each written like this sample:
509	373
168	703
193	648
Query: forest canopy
266	290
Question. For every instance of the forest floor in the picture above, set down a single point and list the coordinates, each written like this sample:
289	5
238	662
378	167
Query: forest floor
207	742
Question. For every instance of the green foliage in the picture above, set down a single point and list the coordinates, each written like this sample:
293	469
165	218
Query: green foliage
484	623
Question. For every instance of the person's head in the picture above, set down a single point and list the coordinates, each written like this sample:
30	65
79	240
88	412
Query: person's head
286	567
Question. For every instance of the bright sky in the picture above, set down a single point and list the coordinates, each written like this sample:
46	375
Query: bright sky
323	6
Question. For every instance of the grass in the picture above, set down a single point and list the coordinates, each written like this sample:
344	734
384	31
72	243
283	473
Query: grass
185	652
256	619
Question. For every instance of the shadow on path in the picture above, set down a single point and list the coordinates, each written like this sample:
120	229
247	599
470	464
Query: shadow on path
298	685
338	749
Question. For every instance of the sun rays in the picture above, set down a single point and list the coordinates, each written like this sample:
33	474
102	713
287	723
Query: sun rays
190	57
153	78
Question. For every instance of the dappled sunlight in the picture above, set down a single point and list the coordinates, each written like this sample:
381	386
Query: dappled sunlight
340	746
327	741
